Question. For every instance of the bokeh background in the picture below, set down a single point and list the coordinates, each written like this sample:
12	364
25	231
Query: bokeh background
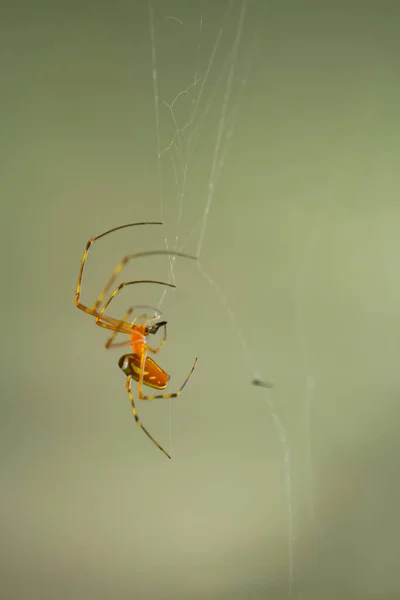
278	129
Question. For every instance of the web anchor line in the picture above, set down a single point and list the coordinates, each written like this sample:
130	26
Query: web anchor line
180	150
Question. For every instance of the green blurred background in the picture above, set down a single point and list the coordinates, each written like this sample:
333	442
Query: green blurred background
287	493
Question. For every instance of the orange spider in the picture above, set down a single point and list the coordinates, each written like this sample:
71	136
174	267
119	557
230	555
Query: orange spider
136	365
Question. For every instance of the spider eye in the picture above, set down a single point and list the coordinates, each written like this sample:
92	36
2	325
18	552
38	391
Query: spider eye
124	364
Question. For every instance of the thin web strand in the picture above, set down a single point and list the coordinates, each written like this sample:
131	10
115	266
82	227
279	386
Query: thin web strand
157	118
183	145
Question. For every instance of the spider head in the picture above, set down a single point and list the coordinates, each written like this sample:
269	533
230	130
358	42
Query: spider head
154	328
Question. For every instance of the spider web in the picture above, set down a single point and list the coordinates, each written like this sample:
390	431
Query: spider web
211	92
180	147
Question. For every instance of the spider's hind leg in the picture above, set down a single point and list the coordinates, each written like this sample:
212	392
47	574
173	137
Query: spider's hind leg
138	421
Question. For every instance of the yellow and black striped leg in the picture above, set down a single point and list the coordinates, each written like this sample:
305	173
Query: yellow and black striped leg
120	265
109	322
123	263
142	396
110	341
93	311
114	294
138	421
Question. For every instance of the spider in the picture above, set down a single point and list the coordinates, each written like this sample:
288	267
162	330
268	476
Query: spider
137	365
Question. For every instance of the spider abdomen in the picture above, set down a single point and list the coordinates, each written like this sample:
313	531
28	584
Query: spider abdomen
153	375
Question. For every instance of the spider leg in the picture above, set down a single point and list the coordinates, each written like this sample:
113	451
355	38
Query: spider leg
125	283
94	310
138	421
83	263
103	320
112	345
142	396
161	344
110	341
124	262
